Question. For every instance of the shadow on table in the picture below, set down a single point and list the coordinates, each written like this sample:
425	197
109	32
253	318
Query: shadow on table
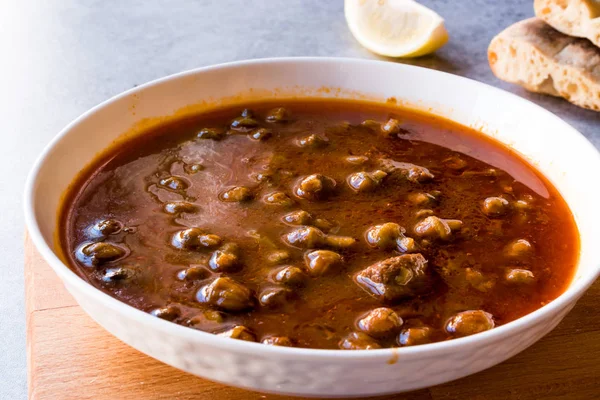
433	61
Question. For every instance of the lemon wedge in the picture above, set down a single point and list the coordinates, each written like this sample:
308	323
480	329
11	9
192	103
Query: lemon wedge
395	28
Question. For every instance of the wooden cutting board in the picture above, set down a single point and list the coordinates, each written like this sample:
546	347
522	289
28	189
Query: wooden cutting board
71	357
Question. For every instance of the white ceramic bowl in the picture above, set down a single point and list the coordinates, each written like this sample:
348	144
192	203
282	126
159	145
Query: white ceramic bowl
556	149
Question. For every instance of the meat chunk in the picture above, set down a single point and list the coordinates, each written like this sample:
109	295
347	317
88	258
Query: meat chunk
396	278
411	172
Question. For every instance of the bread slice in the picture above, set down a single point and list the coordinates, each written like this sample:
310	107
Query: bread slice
579	18
532	54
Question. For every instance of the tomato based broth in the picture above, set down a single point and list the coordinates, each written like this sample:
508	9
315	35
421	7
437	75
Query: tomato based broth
322	224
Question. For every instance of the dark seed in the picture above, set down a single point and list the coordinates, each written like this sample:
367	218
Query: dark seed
100	253
243	123
106	227
239	332
261	134
278	114
211	133
236	194
117	274
174	183
168	313
193	273
278	341
178	207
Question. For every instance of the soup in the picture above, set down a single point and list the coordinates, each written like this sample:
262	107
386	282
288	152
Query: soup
321	224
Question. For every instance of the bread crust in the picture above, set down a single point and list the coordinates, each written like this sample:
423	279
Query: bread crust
532	54
580	18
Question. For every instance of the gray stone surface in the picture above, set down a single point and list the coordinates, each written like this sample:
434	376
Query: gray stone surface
59	58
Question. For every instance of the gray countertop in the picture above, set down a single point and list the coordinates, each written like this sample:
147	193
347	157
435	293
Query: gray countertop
59	58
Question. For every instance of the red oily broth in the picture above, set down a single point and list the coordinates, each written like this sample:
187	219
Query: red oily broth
321	224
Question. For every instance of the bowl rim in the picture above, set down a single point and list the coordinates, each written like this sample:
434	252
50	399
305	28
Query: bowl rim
575	289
